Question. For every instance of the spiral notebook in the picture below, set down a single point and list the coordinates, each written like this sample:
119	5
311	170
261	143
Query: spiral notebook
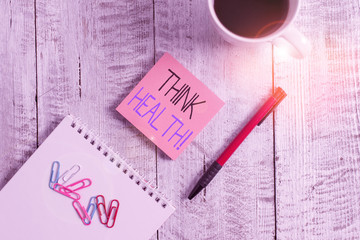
29	209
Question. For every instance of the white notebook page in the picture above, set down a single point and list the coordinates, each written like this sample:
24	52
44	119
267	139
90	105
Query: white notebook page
31	210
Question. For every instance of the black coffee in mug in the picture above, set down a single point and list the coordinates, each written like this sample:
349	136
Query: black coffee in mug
252	18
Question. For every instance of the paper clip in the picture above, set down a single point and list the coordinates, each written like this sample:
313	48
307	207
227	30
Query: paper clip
100	202
55	169
113	209
83	183
66	191
91	208
82	213
67	175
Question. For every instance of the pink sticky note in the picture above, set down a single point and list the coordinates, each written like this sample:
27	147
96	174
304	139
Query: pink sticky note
170	106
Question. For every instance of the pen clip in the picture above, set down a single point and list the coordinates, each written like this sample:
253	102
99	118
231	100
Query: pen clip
279	95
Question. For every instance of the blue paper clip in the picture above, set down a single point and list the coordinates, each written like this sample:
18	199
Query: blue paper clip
91	208
54	177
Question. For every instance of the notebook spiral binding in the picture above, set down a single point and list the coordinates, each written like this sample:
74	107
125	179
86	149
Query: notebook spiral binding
108	154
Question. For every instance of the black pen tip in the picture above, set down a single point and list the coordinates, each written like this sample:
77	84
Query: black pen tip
195	191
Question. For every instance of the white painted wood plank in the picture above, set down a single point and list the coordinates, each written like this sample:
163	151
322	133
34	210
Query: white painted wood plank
317	127
18	86
239	203
58	65
91	54
117	53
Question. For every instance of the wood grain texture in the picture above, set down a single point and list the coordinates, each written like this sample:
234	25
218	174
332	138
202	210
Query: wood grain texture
17	88
90	55
239	203
83	57
317	127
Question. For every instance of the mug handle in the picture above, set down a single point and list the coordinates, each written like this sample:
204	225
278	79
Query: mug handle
294	42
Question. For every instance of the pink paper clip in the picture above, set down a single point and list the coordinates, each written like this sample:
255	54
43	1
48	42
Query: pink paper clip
82	212
113	210
100	202
66	191
83	183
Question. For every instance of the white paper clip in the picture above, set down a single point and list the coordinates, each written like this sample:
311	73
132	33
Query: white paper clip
67	175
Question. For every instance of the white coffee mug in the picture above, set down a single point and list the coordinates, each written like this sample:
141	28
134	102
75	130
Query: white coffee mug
284	37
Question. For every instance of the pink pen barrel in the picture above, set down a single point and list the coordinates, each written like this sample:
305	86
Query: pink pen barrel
263	111
257	119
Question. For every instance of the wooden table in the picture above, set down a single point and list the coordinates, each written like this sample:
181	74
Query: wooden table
295	177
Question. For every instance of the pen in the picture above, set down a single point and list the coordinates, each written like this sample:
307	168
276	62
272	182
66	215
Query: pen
257	119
